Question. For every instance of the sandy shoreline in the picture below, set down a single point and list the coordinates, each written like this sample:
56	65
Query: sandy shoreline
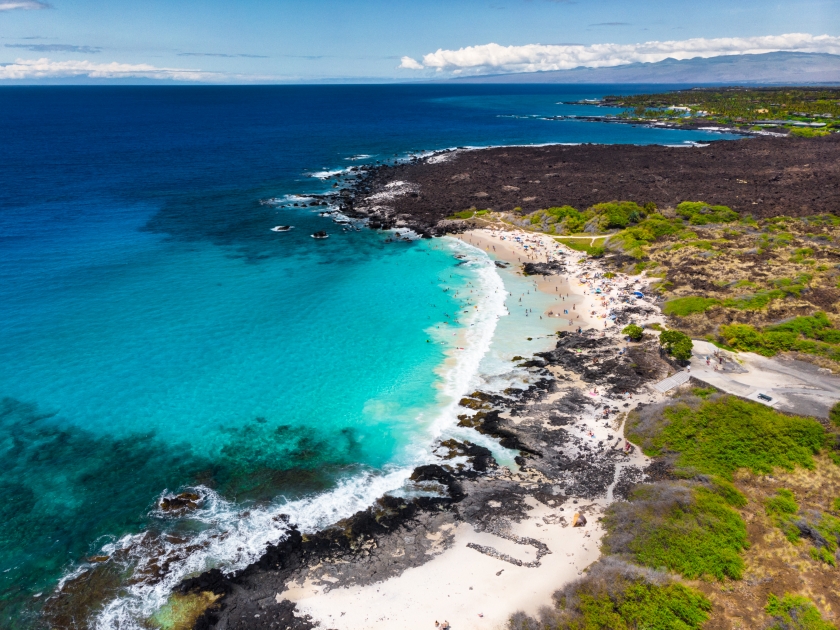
458	584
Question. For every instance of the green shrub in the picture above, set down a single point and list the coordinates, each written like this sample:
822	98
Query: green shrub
792	286
703	392
618	214
464	214
633	331
677	344
720	436
794	612
782	504
681	307
701	213
689	529
646	232
834	414
806	132
808	326
812	334
616	595
801	254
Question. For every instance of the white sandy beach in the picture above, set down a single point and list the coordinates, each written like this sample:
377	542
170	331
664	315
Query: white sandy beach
468	589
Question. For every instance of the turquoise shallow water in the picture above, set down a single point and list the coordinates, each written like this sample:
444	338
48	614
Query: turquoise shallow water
252	379
156	335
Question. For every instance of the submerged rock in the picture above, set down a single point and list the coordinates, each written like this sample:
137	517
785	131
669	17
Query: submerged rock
184	501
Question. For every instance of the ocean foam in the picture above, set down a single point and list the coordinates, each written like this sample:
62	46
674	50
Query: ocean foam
328	174
235	537
286	199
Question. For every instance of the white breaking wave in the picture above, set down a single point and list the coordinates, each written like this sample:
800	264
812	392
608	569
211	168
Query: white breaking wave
479	328
237	536
328	174
286	199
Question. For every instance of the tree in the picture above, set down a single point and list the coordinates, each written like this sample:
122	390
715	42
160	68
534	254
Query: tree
677	344
633	331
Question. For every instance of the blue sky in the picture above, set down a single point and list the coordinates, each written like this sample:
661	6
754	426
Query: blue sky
257	41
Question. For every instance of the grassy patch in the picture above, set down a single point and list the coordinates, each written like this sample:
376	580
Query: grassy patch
794	612
464	214
721	435
593	247
754	301
681	307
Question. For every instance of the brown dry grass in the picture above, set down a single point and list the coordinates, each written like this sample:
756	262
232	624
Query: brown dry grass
756	254
773	564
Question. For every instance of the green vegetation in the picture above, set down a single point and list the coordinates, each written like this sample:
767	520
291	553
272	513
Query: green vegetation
782	504
677	344
762	272
780	508
617	214
464	214
616	595
689	524
681	307
599	218
722	435
703	392
834	414
812	334
655	226
738	106
794	612
633	331
691	530
701	213
806	132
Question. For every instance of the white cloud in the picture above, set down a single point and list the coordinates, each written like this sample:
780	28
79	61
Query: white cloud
411	64
535	57
47	69
9	5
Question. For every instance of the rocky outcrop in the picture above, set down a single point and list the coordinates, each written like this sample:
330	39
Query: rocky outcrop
760	176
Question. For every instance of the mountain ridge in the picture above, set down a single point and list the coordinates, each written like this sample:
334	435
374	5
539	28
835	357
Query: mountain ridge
789	68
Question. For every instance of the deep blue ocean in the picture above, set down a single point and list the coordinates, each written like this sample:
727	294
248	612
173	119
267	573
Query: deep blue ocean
157	336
